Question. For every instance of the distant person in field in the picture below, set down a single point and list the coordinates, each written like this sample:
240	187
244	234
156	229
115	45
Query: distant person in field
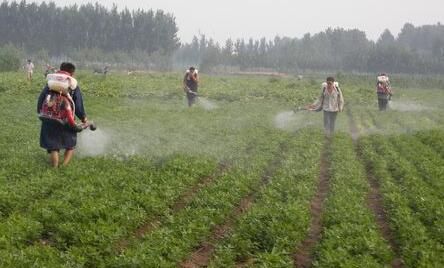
58	102
383	90
331	101
29	68
190	85
104	70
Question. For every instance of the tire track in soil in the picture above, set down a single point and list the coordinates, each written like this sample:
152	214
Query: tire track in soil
303	255
202	255
182	201
374	198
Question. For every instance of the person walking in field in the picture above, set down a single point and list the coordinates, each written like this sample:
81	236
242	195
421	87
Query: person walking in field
383	90
331	101
190	85
57	104
29	68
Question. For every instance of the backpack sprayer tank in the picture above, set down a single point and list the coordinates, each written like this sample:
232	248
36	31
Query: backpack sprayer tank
62	83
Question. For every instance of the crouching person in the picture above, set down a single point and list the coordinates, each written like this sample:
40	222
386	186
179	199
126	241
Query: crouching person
58	102
331	101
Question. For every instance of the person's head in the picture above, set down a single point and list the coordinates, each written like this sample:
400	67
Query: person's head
68	67
192	69
330	80
29	60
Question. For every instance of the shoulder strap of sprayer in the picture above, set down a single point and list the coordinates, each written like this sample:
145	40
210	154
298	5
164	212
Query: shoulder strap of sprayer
338	89
340	96
323	92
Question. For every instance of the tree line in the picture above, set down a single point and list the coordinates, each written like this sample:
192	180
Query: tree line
414	50
32	27
148	39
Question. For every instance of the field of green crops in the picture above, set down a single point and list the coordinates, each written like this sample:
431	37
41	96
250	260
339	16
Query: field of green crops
228	183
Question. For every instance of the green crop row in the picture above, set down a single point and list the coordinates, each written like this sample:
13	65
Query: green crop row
350	237
181	232
429	164
84	218
270	231
423	198
434	139
418	247
159	148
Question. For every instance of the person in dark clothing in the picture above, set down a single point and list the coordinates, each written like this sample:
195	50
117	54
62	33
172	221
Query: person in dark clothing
190	84
54	135
384	91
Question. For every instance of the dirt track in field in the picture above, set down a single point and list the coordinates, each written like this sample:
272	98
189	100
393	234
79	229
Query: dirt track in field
181	202
203	253
375	199
303	254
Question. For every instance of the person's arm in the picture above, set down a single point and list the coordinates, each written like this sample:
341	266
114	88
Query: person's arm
340	100
185	86
317	105
78	102
44	92
389	88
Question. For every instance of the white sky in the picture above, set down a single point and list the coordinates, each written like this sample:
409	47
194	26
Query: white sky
267	18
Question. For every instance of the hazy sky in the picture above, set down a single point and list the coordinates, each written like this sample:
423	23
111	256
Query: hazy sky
267	18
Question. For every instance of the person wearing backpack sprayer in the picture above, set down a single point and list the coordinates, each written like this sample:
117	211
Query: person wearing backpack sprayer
190	85
59	100
331	101
384	91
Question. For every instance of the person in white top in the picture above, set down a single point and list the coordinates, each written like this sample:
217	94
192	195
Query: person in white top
29	67
331	101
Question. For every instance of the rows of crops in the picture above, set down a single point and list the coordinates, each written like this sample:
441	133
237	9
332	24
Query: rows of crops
224	185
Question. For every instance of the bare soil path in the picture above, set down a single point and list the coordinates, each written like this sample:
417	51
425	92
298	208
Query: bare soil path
375	199
181	202
303	256
202	255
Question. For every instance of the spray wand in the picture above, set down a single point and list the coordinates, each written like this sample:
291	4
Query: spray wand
80	127
188	90
298	109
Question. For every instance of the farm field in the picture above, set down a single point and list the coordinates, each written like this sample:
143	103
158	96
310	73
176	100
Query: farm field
240	180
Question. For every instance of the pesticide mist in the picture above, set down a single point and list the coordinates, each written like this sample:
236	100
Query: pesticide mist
207	104
291	120
408	106
165	131
93	143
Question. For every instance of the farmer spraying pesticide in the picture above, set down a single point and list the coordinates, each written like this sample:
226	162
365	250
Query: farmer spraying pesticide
29	67
331	101
58	102
190	85
384	91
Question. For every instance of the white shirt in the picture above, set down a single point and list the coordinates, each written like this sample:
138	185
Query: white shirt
29	67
